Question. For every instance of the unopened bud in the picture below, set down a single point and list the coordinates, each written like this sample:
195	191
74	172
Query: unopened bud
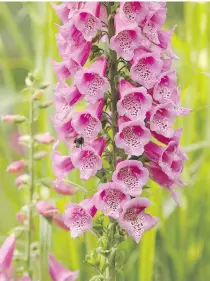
16	167
37	95
46	209
44	86
24	139
22	179
45	104
40	155
44	138
11	119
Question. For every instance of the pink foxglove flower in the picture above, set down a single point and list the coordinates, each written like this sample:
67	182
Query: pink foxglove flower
146	69
170	159
91	81
63	128
65	68
110	199
78	217
134	101
63	188
126	40
22	179
6	255
134	220
132	137
16	167
59	221
60	273
86	20
162	118
175	137
131	175
46	208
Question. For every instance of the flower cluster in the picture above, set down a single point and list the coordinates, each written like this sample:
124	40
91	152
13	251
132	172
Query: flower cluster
147	104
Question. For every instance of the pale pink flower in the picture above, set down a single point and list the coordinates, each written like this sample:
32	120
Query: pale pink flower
131	175
44	138
110	198
59	221
133	12
86	20
175	137
165	90
126	39
63	128
60	273
46	208
170	158
11	119
146	69
132	137
134	220
61	165
63	188
16	167
6	254
91	81
134	101
62	11
162	118
65	69
78	218
154	21
21	217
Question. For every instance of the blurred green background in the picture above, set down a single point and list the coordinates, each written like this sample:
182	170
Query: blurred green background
179	249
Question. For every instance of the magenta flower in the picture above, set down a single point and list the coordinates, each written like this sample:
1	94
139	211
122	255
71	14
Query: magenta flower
132	137
110	199
134	101
131	175
86	20
64	10
60	273
64	69
175	137
61	165
78	217
170	159
63	128
65	97
91	81
46	208
86	125
134	220
146	69
126	40
16	167
87	161
6	255
63	188
162	118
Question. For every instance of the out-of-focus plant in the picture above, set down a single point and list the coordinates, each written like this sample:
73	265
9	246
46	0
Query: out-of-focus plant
124	135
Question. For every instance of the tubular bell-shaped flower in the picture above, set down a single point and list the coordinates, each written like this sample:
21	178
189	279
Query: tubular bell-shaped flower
134	220
131	175
6	256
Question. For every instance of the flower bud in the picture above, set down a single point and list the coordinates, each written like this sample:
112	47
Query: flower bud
22	179
46	209
40	155
45	104
16	167
20	217
37	95
11	119
44	138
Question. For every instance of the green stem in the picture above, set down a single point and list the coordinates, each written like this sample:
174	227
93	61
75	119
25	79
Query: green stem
32	185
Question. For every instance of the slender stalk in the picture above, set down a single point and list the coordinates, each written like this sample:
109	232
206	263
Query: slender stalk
32	184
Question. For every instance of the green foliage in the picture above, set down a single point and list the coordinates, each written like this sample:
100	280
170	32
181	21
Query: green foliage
180	249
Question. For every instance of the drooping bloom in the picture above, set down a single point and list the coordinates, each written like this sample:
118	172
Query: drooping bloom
126	40
64	128
62	165
134	220
131	175
146	69
132	137
110	198
63	188
88	160
6	256
134	101
59	221
91	81
170	159
60	273
16	167
78	217
46	208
